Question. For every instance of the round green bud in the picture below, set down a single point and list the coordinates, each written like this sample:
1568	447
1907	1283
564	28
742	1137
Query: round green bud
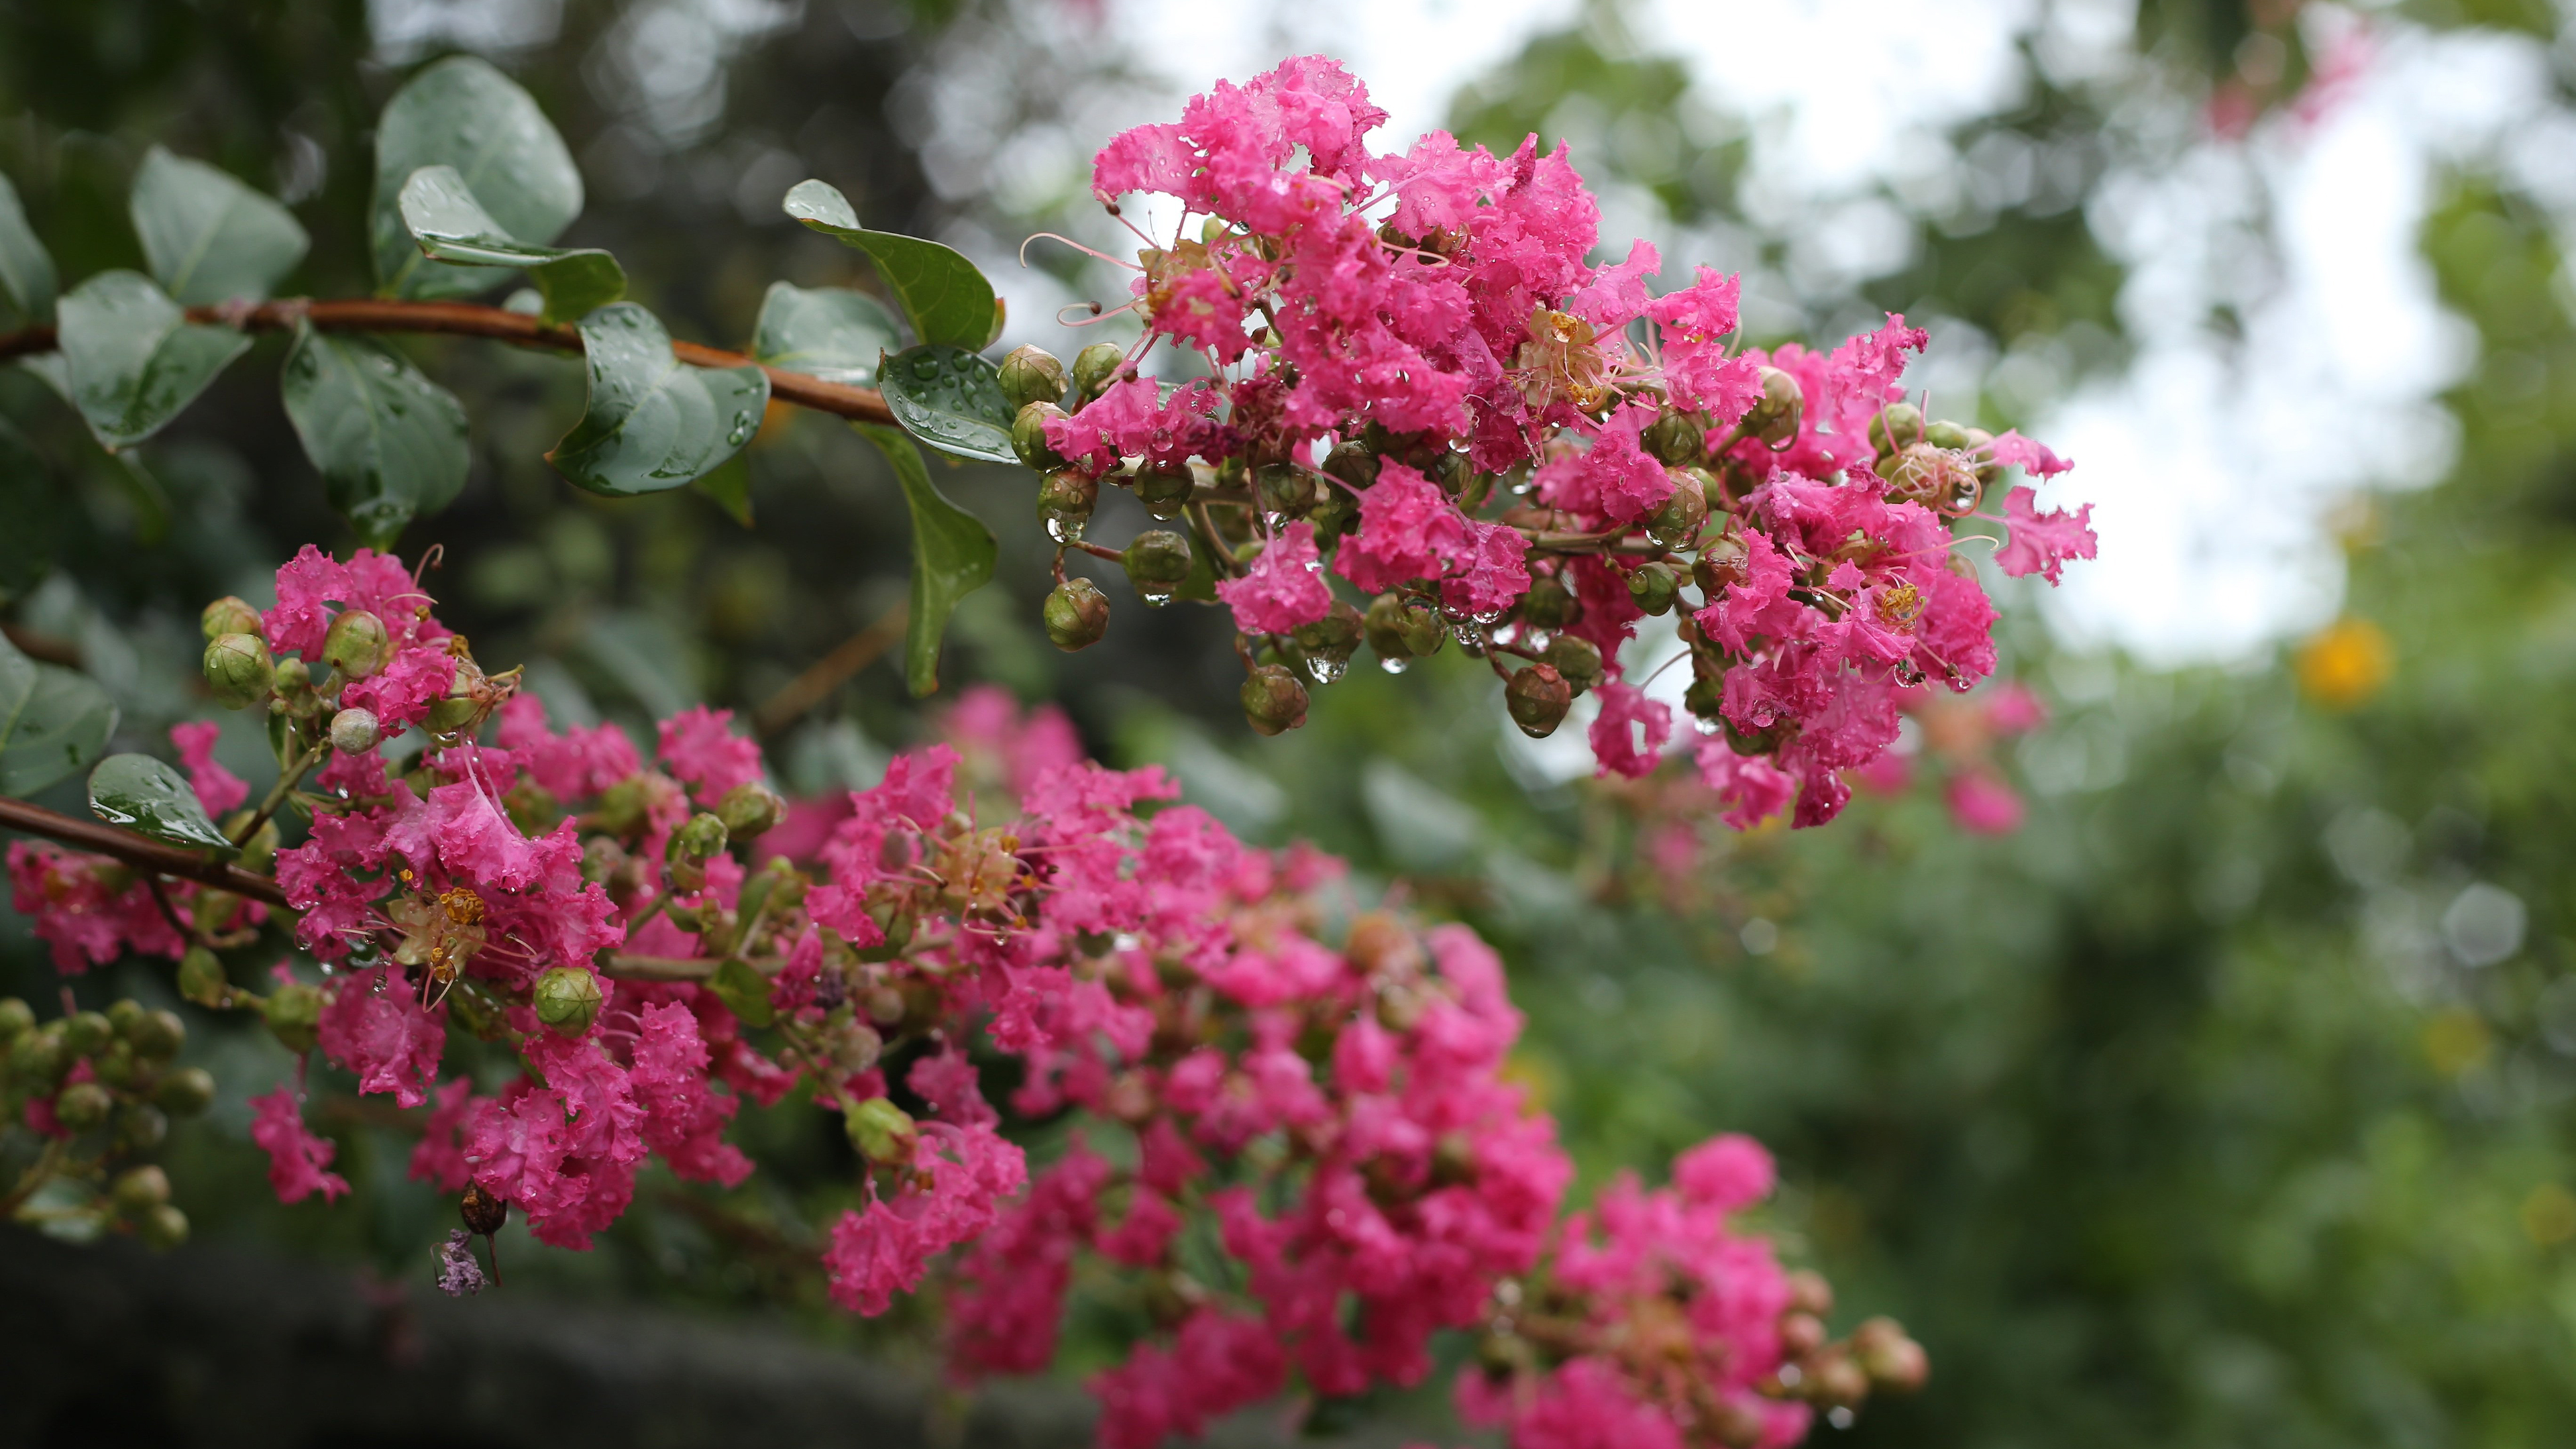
123	1013
1895	426
749	809
1704	697
293	676
1065	501
140	1127
227	615
1979	441
882	1131
357	644
185	1092
1549	604
1157	561
138	1190
1782	411
162	1228
1653	586
702	836
1329	642
1424	631
294	1014
87	1033
239	670
1284	488
38	1059
1028	436
1454	473
1722	561
567	1000
1384	626
1076	615
1334	513
16	1017
1578	660
1538	698
158	1036
355	731
201	977
1094	367
83	1105
1674	438
115	1066
1273	701
1946	435
1165	491
1680	517
1353	463
1032	375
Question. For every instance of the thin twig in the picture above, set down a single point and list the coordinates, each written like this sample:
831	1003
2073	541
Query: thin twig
828	673
134	850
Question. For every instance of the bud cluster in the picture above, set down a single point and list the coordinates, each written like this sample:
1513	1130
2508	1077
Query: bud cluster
98	1089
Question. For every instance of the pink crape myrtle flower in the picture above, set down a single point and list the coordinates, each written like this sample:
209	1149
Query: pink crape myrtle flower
2041	543
296	1157
218	789
1284	589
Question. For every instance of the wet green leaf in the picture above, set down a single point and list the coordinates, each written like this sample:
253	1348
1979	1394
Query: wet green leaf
654	422
389	443
26	269
131	358
53	722
463	113
951	399
946	299
153	799
828	332
208	237
452	226
952	555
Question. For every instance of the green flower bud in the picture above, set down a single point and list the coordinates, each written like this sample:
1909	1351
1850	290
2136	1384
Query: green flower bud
138	1190
115	1066
1722	562
702	836
1895	426
1454	473
16	1018
1892	1360
357	645
1577	659
1674	438
38	1059
1158	561
140	1127
1679	519
1028	436
355	731
567	1000
1284	488
1946	435
1424	631
1653	586
1031	375
1782	411
1334	513
882	1131
185	1092
1353	463
239	670
84	1105
1538	698
201	977
123	1013
1384	626
1329	642
1979	440
1065	501
162	1228
294	1014
87	1033
1165	491
1095	366
750	808
227	615
157	1036
1273	701
1076	615
1549	604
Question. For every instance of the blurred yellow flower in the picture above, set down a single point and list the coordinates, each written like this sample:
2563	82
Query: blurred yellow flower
2455	1040
2346	664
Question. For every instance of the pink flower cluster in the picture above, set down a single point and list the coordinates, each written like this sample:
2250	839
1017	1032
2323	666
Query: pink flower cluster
1481	411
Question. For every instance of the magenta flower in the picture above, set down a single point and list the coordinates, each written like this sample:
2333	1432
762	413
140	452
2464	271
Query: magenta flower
1283	589
296	1158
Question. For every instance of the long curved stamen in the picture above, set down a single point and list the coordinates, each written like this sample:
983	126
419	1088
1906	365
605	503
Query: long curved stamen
1077	246
1099	314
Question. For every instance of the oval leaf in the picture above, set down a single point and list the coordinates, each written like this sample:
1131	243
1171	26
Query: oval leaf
388	442
946	299
461	112
208	237
53	722
26	268
951	399
654	422
150	798
952	555
131	358
828	332
451	225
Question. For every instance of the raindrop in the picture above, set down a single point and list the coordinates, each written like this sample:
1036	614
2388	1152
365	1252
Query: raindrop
1064	530
1393	666
1325	671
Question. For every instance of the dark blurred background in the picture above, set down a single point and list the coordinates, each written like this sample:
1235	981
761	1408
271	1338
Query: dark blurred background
2227	1102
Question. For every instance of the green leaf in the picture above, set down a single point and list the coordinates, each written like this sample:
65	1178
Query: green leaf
654	422
461	112
208	237
828	332
133	359
452	226
26	269
388	442
951	399
33	505
729	488
152	799
952	555
744	991
946	299
53	722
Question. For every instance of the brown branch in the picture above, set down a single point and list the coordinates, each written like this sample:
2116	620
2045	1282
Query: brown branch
828	673
465	319
44	648
134	850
